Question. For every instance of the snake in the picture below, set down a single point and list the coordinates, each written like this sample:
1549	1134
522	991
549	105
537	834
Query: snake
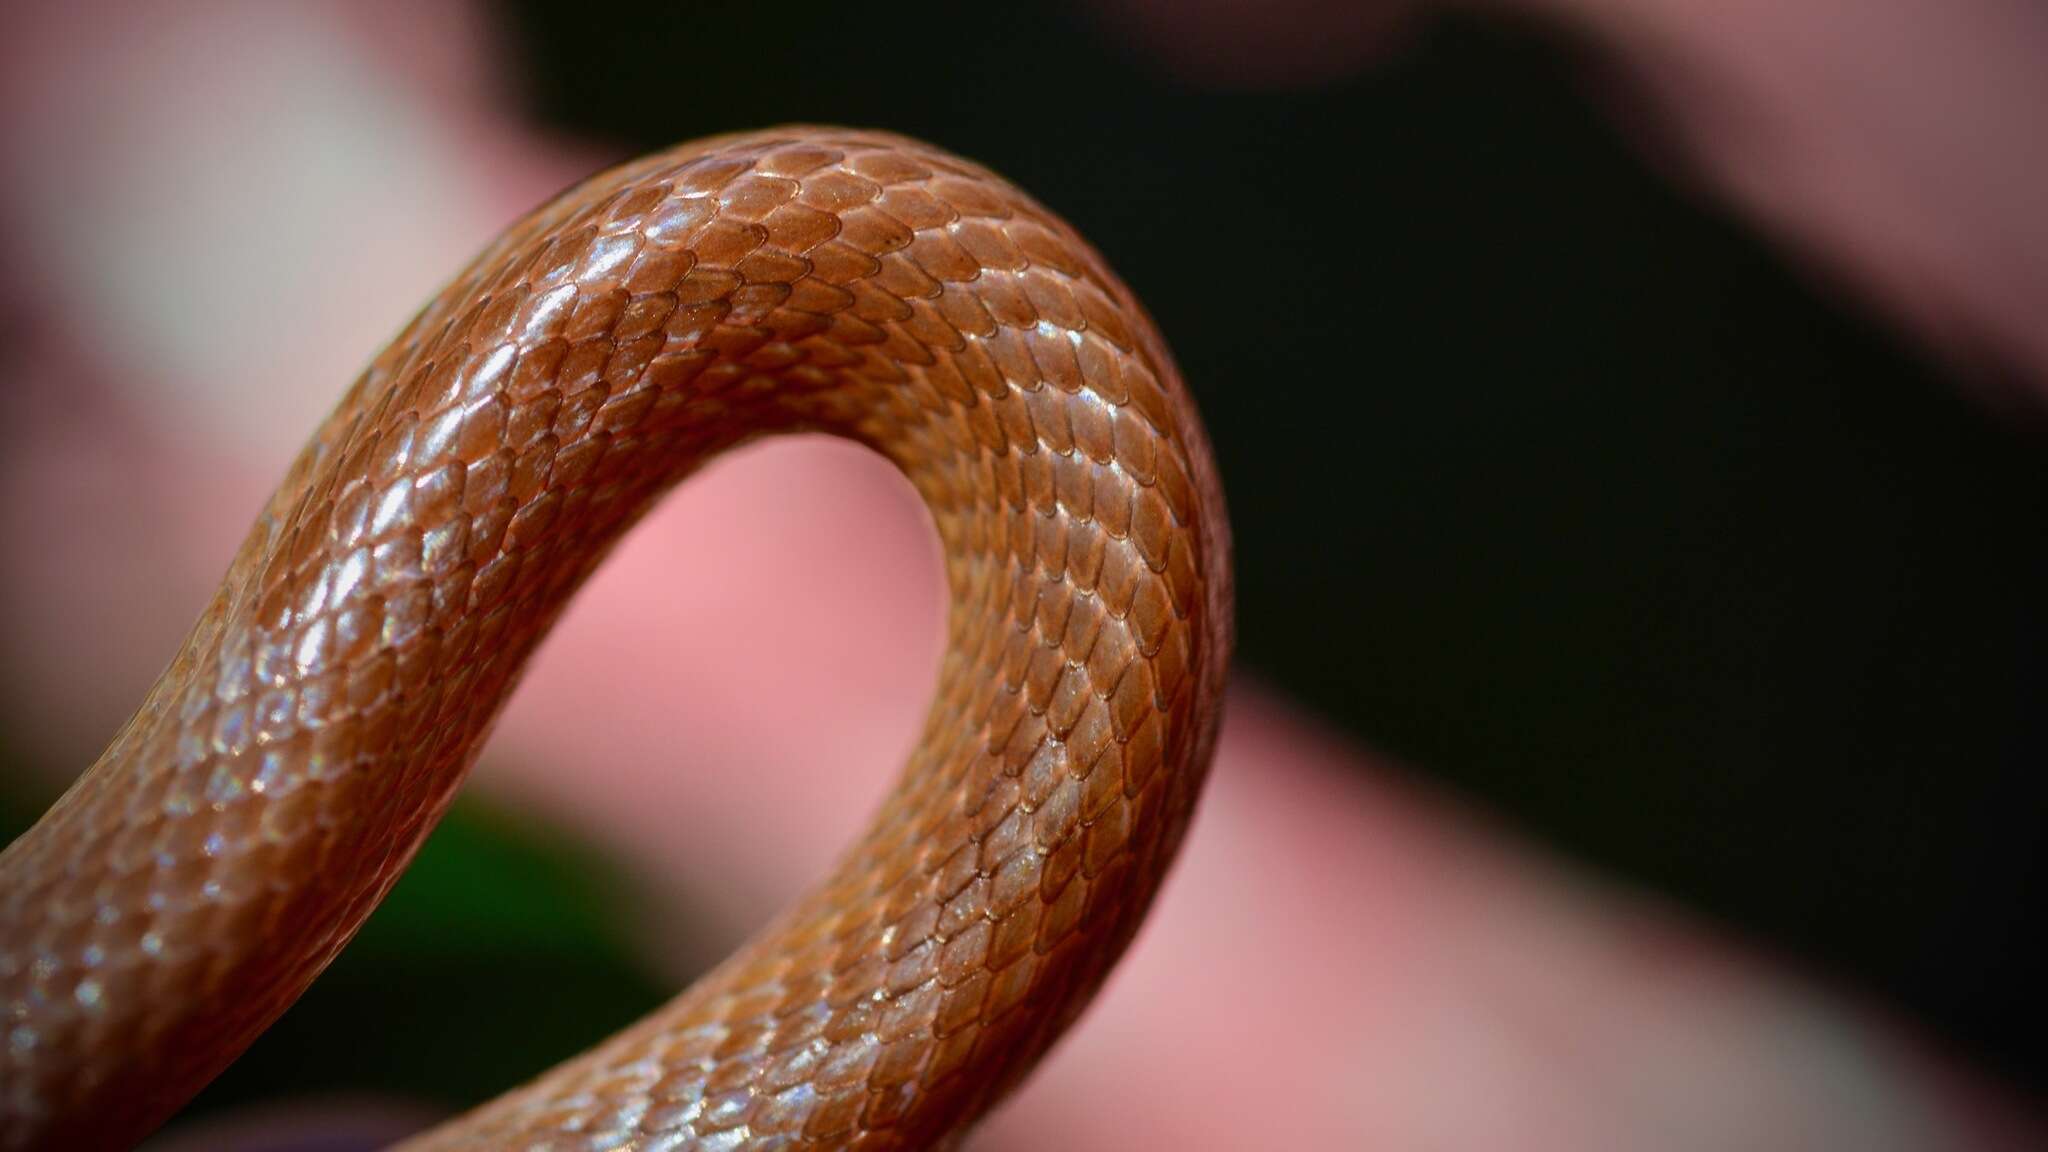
318	719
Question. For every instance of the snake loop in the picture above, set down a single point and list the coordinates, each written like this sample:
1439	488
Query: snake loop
285	768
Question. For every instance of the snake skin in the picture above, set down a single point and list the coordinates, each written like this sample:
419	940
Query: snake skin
286	767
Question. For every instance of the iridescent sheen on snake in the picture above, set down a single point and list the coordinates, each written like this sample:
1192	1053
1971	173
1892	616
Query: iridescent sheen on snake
313	727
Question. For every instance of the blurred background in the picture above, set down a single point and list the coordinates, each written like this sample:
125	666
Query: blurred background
1632	421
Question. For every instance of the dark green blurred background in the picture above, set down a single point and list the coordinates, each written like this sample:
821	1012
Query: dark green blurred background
1548	479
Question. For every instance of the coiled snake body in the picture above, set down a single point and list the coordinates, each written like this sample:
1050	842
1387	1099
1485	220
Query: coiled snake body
285	768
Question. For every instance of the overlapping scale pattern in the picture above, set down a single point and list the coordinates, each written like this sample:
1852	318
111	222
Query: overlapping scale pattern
311	731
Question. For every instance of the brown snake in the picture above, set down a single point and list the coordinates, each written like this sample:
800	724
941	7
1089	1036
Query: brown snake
311	731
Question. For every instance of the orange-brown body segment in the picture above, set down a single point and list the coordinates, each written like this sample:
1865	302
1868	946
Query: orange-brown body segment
285	768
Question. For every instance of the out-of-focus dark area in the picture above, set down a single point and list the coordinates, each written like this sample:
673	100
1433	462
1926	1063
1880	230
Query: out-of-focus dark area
1551	479
1561	486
